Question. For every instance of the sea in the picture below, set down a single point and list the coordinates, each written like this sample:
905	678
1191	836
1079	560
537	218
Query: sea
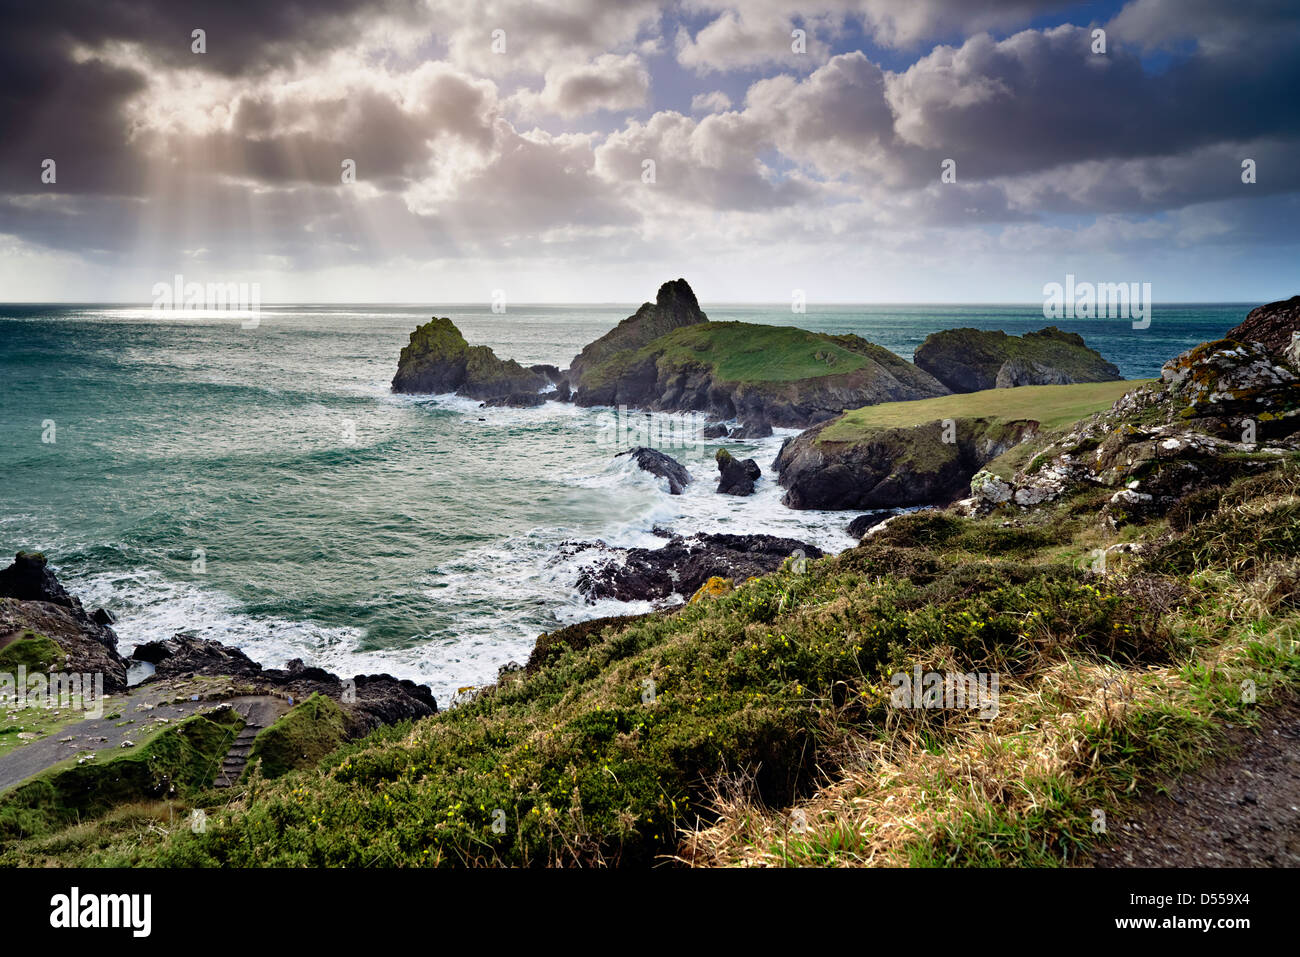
260	484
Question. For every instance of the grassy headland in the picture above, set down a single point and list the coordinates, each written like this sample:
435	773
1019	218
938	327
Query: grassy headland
1053	407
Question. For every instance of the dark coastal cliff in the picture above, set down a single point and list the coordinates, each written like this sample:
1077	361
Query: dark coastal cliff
970	360
893	467
925	453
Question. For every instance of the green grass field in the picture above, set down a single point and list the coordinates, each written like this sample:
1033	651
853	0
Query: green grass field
741	352
1052	406
745	353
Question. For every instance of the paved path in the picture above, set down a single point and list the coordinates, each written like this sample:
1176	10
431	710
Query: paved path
139	713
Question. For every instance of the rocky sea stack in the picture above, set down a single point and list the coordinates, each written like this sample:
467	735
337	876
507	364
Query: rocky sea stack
736	476
439	360
970	360
669	357
675	306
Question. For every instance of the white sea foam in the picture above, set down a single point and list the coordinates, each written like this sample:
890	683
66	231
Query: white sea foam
494	599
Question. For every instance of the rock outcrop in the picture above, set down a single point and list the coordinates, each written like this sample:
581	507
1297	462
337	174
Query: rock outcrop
736	476
368	701
754	429
670	358
34	605
29	578
675	306
684	564
971	360
664	466
518	400
864	523
1274	325
927	464
439	360
1219	410
1020	371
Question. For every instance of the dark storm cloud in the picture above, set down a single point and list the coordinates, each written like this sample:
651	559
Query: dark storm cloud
1038	123
1041	99
57	104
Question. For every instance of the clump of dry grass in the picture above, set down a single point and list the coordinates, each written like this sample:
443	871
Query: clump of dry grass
1070	735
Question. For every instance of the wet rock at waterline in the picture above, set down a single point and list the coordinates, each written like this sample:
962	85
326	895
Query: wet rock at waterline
684	564
664	466
736	476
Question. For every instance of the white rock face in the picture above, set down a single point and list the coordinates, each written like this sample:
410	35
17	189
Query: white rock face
1127	496
989	488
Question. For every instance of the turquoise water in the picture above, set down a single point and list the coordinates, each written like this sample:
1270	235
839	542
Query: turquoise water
262	486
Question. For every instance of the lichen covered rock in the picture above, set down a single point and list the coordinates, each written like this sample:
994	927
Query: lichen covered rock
1220	410
715	587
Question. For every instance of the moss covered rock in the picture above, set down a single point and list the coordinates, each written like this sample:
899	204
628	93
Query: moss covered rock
439	360
34	652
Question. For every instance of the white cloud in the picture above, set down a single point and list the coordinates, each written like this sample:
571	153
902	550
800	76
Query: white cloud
609	82
715	102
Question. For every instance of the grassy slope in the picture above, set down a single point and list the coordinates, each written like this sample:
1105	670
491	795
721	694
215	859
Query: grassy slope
1052	406
740	352
774	698
34	652
307	733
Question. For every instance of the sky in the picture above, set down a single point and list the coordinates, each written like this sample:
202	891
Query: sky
427	151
